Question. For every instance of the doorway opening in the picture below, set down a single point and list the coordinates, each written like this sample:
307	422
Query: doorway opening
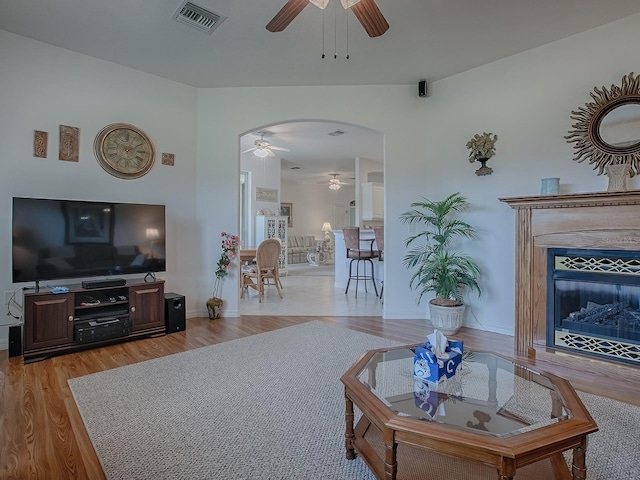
306	155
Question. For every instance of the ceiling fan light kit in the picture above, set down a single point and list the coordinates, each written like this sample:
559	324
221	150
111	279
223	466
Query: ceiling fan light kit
334	183
323	3
261	152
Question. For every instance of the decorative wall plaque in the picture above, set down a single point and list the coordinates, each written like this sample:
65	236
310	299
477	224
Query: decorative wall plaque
266	194
40	140
168	159
69	145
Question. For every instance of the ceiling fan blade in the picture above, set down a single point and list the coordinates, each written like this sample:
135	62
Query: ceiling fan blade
250	150
282	149
286	14
371	18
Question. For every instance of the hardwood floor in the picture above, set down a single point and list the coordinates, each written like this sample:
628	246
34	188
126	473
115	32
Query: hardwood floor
43	436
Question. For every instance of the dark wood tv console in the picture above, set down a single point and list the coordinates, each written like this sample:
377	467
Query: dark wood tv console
90	317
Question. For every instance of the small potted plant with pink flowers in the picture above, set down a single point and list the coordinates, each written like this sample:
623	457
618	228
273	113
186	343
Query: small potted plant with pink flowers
230	245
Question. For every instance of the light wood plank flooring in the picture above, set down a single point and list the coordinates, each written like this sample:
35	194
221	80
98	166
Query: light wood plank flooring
42	434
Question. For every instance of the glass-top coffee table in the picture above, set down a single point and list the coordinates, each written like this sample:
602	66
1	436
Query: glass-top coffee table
493	411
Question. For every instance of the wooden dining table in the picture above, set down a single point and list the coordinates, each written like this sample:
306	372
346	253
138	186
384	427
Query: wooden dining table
247	254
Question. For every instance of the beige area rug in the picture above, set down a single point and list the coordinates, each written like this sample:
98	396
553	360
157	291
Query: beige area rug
271	406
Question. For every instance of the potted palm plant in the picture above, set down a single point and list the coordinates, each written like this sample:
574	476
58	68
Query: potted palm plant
438	268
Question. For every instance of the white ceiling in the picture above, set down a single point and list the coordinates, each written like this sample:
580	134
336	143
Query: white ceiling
427	39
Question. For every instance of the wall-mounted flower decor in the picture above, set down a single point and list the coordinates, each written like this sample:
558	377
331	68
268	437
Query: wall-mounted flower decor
482	148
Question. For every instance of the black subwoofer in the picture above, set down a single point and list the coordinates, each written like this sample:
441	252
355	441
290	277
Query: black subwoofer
174	312
15	341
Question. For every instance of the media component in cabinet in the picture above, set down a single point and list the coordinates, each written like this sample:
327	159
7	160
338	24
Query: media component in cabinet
101	315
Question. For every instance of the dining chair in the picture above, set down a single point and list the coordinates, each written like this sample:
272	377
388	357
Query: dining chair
266	268
357	254
378	233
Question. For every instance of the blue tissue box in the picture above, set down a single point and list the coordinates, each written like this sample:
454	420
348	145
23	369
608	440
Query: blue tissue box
429	368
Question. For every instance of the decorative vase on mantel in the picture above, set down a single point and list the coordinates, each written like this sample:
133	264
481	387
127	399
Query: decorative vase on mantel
617	177
214	307
483	170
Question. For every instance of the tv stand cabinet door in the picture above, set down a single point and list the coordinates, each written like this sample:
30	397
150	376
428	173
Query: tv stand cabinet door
48	321
146	306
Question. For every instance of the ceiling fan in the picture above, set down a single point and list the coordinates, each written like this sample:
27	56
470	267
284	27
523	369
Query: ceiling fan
263	149
334	182
366	11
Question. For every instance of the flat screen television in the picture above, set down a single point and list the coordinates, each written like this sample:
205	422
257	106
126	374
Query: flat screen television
65	239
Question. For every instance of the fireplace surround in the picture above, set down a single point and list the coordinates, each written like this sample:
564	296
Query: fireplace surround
607	221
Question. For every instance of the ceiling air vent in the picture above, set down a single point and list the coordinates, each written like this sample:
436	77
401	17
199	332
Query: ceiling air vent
336	133
198	17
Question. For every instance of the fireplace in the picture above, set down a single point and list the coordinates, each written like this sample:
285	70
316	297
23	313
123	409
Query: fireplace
603	226
593	301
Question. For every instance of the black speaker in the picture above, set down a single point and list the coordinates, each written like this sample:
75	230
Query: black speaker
422	88
15	341
174	312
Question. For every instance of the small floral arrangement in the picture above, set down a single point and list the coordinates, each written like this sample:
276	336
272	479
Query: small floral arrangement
230	245
482	146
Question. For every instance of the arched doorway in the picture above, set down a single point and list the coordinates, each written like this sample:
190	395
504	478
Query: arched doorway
300	176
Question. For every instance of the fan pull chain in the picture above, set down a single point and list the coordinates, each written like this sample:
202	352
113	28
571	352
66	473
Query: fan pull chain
347	17
335	32
323	55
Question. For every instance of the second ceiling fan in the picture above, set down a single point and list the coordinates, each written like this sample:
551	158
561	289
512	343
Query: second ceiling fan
366	11
262	148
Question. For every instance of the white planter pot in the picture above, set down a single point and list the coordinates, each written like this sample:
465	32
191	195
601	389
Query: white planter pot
447	320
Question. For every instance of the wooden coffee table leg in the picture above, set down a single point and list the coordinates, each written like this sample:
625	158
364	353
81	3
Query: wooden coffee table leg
390	463
507	469
349	436
579	467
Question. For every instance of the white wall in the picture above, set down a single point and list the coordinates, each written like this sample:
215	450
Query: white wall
44	87
263	173
526	99
313	205
227	113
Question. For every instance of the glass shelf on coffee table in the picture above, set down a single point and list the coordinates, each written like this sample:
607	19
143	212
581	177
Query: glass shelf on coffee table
493	411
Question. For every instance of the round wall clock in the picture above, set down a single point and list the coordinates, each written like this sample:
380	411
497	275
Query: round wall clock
123	150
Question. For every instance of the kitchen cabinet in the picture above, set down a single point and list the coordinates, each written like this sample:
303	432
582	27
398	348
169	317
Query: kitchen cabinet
372	201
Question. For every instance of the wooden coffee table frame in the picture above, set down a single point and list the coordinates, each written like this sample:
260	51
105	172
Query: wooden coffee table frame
505	454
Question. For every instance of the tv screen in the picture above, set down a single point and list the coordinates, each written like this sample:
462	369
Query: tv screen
60	239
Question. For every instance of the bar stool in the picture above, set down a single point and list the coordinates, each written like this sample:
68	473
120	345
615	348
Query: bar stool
378	233
358	255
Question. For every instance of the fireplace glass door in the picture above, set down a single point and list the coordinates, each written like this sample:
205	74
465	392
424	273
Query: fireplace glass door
593	303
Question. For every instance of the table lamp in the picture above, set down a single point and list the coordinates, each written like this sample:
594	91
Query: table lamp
326	228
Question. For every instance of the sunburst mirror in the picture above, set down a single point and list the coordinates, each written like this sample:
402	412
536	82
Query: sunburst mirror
607	131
